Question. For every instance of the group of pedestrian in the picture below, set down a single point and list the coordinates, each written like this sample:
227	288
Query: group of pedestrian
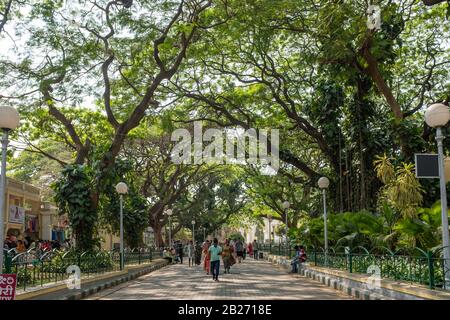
212	253
22	245
299	258
231	252
180	250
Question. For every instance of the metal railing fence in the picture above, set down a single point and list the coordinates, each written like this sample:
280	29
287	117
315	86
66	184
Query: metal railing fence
414	265
36	268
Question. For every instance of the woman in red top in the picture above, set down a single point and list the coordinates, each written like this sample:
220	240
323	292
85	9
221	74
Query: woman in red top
207	261
250	249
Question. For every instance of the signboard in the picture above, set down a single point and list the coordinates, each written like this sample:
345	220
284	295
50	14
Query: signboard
427	165
16	214
8	284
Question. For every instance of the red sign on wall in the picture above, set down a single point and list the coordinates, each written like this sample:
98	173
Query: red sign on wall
7	286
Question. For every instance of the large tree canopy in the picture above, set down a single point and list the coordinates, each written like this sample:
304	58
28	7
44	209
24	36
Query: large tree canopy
109	81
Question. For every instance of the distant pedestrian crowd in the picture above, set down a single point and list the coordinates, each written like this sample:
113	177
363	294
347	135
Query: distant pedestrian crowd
211	252
229	252
179	250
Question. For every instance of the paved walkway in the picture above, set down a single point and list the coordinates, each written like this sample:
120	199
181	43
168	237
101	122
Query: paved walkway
249	280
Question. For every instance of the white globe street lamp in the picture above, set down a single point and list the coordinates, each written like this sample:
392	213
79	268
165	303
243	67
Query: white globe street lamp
169	213
323	184
436	116
121	189
9	120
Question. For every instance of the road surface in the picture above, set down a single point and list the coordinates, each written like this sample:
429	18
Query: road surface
249	280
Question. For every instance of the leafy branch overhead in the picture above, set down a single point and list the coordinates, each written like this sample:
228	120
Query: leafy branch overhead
101	85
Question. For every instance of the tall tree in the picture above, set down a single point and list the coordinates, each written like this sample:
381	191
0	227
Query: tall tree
100	49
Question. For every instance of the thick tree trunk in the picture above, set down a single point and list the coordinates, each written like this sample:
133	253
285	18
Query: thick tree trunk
362	172
175	231
374	72
347	181
340	193
154	216
362	122
157	231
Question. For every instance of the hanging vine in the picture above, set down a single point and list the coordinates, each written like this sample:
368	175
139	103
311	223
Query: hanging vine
72	196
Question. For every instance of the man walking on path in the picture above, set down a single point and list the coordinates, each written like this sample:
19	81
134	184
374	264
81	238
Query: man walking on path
180	250
239	250
190	253
255	250
198	253
215	251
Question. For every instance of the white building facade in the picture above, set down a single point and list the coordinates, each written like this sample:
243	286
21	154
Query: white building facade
262	233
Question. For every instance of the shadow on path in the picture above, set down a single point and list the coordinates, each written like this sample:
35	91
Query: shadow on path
251	279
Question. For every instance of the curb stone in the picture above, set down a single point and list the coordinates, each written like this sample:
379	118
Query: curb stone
340	286
336	283
87	292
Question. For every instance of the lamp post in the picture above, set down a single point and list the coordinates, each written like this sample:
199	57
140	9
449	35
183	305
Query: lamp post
169	213
437	116
165	233
9	120
193	234
121	189
269	216
323	184
286	206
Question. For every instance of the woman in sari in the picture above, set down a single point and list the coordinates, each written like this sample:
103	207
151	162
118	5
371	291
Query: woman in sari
206	262
250	249
227	256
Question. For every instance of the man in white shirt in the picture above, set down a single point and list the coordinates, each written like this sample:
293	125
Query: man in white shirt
215	250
